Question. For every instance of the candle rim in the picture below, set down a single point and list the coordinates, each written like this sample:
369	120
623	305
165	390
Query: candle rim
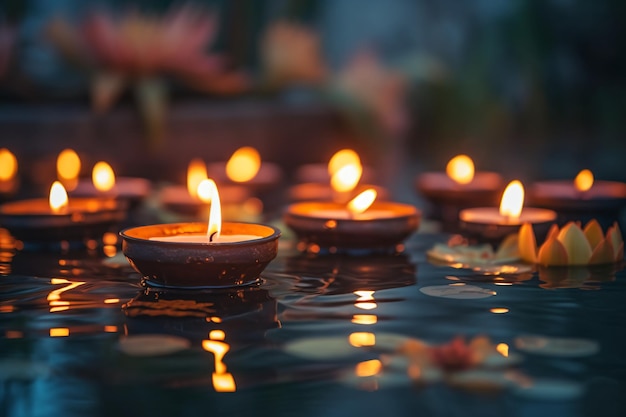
198	228
408	210
512	222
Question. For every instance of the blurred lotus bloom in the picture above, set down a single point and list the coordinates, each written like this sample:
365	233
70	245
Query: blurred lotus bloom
452	358
573	245
377	89
290	53
138	50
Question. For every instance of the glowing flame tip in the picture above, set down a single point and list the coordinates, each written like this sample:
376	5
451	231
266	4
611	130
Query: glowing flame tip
512	200
461	169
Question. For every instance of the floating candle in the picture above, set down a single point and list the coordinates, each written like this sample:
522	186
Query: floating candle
361	224
235	198
59	218
103	183
337	181
582	199
458	188
245	167
494	223
198	255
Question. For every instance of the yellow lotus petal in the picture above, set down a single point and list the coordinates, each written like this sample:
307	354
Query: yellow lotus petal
615	236
527	244
509	248
603	253
575	243
553	232
552	253
594	233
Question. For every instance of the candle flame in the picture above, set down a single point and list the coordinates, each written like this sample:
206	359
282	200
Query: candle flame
8	165
58	197
196	172
461	169
103	176
503	349
215	213
584	180
512	200
346	178
68	164
205	190
244	164
342	158
362	202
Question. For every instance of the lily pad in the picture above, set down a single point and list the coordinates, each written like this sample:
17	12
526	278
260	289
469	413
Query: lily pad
557	346
152	344
462	292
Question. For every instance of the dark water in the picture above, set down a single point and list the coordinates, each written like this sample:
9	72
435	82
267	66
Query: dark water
65	320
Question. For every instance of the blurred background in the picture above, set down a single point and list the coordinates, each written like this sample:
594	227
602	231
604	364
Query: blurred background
535	89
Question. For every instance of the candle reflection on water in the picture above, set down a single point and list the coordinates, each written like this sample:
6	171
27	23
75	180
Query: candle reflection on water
223	381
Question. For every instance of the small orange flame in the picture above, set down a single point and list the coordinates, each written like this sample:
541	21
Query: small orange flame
512	200
215	213
196	172
342	158
584	180
103	176
346	178
68	165
362	202
503	349
461	169
244	164
58	197
8	165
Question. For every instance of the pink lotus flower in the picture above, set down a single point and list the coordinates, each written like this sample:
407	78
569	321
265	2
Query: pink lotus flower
139	50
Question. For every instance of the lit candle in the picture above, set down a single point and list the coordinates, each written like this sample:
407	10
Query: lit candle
336	181
245	167
360	224
582	199
495	223
213	234
459	187
104	183
201	255
60	218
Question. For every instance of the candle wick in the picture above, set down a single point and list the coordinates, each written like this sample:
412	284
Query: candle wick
211	236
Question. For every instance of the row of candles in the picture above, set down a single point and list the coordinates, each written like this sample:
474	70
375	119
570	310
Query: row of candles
330	217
